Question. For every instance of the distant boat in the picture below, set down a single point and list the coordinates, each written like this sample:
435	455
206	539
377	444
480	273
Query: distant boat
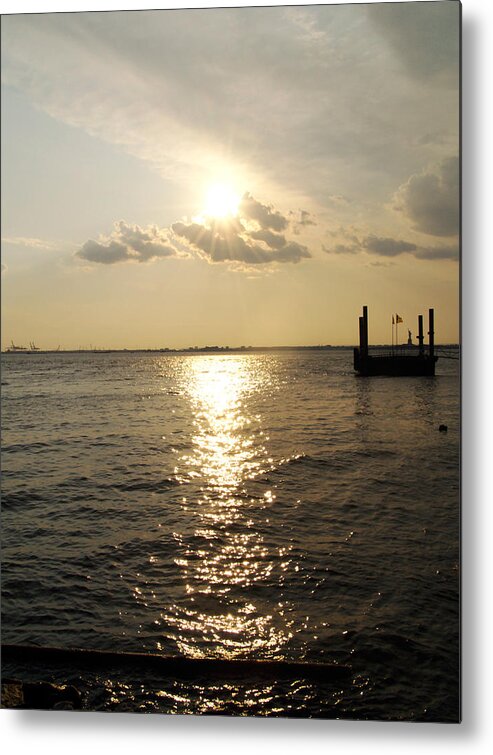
22	349
396	361
13	347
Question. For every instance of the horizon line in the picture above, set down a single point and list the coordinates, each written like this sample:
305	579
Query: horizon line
199	349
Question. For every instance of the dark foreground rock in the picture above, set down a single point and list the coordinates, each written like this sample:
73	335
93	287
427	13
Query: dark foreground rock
40	695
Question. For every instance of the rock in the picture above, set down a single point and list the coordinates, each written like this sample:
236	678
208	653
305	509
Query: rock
12	695
443	428
40	695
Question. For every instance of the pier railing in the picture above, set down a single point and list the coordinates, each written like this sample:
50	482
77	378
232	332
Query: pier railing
388	351
445	352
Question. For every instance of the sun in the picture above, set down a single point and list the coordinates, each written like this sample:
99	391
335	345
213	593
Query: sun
221	201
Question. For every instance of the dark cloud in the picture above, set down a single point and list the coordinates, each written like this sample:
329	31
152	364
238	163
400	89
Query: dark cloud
273	240
438	252
218	246
220	243
348	233
264	215
303	219
146	243
306	218
106	254
430	200
252	238
424	36
292	252
128	243
386	247
341	249
381	246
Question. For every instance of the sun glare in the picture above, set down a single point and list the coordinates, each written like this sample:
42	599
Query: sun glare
221	201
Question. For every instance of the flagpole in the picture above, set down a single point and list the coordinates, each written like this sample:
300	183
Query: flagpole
396	330
392	350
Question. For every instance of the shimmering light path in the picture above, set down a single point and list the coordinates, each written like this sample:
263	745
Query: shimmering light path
226	553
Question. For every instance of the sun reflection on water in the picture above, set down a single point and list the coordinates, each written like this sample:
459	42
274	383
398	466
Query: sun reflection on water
224	449
226	555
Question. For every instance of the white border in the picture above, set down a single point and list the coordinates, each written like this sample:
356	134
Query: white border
45	6
23	731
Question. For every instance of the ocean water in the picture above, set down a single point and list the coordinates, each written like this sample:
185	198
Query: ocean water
255	506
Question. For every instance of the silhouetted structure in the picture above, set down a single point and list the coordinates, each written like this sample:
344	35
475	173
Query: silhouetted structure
398	360
178	665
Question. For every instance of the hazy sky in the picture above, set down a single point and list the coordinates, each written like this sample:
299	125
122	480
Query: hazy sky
229	176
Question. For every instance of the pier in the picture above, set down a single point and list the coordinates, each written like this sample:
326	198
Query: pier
396	361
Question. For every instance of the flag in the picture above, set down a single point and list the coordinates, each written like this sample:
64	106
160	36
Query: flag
398	319
393	322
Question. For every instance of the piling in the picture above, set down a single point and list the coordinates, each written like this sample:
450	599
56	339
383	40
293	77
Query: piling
431	332
363	337
421	337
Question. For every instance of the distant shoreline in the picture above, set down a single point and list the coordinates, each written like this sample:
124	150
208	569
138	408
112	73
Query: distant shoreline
207	349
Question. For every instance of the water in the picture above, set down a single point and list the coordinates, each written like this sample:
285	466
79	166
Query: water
258	505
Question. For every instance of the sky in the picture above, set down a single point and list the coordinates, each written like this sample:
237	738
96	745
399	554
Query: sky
230	176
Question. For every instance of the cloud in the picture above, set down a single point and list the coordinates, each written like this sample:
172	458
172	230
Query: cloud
31	243
247	239
432	138
304	218
341	249
220	244
252	238
438	252
107	253
381	246
430	200
4	268
380	263
386	247
128	243
264	215
292	252
272	111
273	240
338	200
423	36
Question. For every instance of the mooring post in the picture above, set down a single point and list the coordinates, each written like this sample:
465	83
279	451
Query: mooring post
431	332
365	330
361	336
420	335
